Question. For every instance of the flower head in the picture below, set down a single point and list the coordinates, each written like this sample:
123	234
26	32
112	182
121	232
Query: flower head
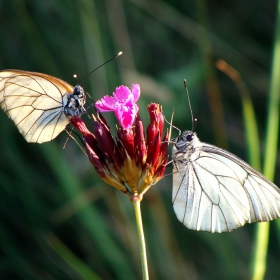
122	103
132	162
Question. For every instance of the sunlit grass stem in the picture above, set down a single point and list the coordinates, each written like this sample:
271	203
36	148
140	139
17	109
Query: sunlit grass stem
273	106
259	267
262	237
249	116
258	259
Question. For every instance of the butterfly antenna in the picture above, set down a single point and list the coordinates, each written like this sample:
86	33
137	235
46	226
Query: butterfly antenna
76	77
120	53
171	125
195	123
71	136
187	92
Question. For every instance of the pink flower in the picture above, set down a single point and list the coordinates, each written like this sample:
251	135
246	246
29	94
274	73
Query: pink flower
122	103
131	162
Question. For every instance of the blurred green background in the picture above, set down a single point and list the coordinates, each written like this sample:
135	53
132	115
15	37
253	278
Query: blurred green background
58	220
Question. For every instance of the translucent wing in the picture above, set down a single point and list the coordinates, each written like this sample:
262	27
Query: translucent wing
214	190
35	102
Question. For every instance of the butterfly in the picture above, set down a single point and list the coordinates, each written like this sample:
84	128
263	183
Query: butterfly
39	104
216	191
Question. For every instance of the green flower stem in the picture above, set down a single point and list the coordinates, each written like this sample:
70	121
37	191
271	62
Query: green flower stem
141	239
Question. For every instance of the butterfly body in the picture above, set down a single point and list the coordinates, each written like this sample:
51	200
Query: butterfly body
39	104
75	102
215	191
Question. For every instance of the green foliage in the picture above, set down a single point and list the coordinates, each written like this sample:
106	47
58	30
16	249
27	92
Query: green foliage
58	220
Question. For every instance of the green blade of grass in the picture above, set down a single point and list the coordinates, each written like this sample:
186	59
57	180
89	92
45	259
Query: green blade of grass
262	234
273	107
66	254
258	259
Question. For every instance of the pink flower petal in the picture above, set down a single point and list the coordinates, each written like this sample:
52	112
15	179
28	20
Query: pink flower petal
135	90
123	95
106	104
122	103
126	115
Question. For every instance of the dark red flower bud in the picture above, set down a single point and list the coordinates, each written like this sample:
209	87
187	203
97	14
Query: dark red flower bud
152	129
160	171
91	141
94	159
164	144
153	150
127	139
88	137
105	142
79	124
140	142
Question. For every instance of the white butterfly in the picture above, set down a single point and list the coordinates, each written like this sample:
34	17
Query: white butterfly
215	191
40	105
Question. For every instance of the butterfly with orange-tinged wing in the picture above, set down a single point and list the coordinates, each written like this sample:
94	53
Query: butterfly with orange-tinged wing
39	104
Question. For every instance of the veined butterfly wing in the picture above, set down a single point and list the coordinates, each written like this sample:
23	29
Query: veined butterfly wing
215	191
40	105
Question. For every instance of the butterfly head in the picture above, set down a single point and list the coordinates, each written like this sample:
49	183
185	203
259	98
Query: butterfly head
78	90
187	140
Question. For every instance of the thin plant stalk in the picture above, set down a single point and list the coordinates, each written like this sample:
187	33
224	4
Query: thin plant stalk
249	116
141	237
258	260
262	237
273	106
